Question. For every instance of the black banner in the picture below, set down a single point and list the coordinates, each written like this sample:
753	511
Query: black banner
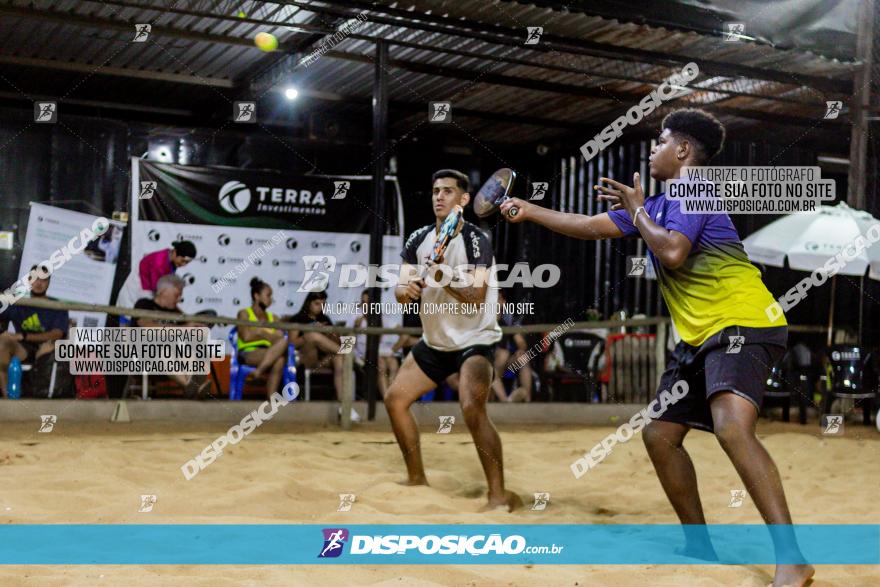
259	199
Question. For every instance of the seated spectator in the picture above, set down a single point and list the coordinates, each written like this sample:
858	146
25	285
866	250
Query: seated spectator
151	269
169	289
387	365
36	330
317	349
507	352
264	348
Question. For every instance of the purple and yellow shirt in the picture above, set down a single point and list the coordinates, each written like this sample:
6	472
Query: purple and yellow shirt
717	286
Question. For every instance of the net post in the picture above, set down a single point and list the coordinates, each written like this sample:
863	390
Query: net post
659	354
347	389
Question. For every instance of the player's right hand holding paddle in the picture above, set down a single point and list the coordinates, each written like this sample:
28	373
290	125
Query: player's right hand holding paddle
525	208
411	292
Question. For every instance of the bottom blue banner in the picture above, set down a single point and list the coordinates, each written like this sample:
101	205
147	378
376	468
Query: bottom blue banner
439	544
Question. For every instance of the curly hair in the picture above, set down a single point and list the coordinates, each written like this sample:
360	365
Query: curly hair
701	128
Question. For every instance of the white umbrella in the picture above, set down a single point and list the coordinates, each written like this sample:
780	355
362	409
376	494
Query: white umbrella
810	239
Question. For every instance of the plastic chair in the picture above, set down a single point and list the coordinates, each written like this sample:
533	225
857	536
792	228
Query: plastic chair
238	371
579	378
777	391
848	377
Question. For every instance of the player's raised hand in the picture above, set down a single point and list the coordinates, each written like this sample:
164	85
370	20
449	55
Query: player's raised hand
622	196
524	209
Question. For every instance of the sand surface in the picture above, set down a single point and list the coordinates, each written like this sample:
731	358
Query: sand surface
95	473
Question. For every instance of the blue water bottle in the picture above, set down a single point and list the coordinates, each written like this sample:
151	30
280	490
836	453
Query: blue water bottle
13	389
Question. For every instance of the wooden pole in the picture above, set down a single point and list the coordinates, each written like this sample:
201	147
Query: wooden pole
660	353
860	106
831	312
347	388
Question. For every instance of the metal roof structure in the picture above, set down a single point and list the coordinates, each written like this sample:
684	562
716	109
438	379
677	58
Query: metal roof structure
583	71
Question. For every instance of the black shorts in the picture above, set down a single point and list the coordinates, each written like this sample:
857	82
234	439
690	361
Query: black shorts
31	348
438	365
710	368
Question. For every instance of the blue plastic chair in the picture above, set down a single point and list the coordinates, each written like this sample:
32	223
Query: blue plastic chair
238	371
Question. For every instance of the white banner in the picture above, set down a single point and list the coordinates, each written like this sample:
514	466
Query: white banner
88	276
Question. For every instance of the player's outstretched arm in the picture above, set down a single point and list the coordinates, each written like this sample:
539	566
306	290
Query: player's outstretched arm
574	225
671	247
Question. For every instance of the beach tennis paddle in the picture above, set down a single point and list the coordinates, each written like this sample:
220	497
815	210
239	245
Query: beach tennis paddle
450	229
495	192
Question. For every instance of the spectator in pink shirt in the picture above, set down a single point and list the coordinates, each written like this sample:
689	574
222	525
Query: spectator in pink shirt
164	262
152	267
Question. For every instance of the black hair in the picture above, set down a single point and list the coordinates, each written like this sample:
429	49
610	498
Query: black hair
257	286
311	297
701	128
184	249
460	178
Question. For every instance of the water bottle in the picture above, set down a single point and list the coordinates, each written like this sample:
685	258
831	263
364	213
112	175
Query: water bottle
13	389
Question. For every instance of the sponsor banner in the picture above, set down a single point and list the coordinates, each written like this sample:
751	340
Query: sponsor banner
86	276
255	198
629	544
238	238
219	277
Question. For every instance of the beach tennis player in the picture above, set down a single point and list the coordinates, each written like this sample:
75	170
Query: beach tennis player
716	300
452	342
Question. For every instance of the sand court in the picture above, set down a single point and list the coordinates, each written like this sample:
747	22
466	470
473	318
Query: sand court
287	473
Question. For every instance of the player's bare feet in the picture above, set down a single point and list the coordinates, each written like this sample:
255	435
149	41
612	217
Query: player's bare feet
507	502
413	481
793	575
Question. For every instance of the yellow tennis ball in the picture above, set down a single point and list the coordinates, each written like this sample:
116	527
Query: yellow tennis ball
266	41
242	14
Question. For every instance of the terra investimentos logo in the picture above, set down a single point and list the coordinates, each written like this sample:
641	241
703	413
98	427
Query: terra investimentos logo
234	197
